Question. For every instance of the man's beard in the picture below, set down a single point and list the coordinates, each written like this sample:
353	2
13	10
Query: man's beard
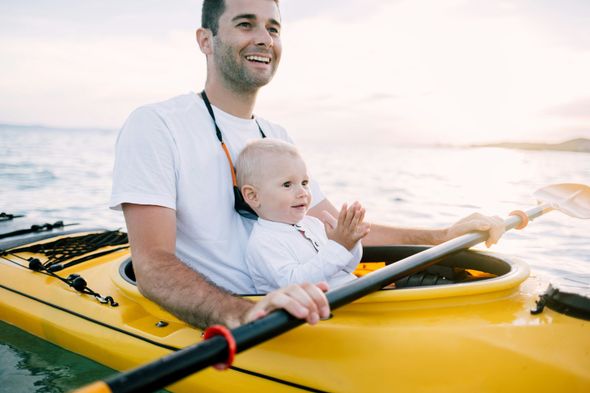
235	75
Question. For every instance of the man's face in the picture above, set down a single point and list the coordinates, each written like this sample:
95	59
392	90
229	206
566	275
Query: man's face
247	46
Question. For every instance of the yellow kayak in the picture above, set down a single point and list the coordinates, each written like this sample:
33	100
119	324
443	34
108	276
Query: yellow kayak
473	322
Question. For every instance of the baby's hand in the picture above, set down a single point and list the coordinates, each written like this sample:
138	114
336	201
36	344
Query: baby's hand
349	228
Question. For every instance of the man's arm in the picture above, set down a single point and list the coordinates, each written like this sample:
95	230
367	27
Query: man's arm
384	235
166	280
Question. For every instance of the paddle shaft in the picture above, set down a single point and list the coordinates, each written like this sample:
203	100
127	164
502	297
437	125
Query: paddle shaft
182	363
378	279
35	228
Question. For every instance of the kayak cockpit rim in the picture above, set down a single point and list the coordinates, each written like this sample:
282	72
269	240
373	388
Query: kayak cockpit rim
505	272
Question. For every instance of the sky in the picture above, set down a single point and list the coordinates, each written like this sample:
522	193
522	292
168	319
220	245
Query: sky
405	72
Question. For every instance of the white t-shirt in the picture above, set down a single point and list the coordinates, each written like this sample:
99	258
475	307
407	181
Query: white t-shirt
278	254
167	154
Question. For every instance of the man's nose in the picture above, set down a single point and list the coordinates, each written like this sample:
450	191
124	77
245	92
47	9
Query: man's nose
263	38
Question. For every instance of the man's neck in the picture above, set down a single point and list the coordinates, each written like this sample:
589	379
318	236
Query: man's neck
235	103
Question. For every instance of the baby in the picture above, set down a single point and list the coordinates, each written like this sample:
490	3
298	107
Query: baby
287	246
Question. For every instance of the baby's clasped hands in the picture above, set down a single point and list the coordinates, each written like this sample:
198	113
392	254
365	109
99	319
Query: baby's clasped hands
349	228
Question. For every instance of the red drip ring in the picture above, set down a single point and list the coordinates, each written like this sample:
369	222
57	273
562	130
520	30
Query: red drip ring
523	217
219	330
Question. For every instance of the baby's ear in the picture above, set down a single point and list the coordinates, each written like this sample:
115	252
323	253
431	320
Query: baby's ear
250	195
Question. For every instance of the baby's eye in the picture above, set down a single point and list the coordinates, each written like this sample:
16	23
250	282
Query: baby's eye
304	183
287	184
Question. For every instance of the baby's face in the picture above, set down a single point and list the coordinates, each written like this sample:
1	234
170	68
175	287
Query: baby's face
283	191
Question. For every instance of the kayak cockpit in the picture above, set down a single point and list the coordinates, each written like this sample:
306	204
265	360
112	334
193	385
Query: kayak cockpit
461	268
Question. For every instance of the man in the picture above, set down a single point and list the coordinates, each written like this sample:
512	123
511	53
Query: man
173	180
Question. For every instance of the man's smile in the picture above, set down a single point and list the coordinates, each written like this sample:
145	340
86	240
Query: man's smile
258	58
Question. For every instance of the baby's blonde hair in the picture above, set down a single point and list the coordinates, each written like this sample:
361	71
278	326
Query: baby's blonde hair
253	159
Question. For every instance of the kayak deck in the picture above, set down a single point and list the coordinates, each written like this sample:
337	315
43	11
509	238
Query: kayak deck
460	336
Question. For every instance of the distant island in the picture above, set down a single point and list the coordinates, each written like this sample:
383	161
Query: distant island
577	145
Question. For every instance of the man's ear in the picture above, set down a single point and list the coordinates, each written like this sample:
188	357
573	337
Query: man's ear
204	39
250	195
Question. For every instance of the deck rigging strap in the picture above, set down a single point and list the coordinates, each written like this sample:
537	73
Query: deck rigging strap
67	248
60	254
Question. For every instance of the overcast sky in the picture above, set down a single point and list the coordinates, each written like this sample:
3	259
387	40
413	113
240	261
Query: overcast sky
416	71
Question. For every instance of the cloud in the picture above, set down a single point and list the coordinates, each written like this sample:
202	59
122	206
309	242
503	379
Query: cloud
93	81
72	19
419	70
566	20
576	109
342	10
377	97
454	78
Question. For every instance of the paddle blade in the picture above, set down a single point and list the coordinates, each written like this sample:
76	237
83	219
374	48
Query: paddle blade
569	198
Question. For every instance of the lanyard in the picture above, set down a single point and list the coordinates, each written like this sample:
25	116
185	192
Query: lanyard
220	137
240	205
217	130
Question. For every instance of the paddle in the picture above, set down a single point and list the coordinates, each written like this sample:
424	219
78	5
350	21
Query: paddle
35	229
571	199
7	216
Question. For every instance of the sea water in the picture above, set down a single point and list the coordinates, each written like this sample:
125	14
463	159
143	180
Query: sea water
54	174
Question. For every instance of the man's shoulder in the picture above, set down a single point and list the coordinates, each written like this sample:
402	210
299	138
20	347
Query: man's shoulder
177	104
168	117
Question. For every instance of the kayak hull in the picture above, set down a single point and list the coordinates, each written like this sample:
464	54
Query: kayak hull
470	336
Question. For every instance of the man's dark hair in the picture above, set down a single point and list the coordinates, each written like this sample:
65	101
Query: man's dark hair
212	10
210	13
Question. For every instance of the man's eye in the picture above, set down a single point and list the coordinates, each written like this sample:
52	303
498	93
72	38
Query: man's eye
245	24
273	30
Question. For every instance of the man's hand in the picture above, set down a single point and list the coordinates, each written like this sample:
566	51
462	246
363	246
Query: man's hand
478	222
167	281
349	228
305	301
